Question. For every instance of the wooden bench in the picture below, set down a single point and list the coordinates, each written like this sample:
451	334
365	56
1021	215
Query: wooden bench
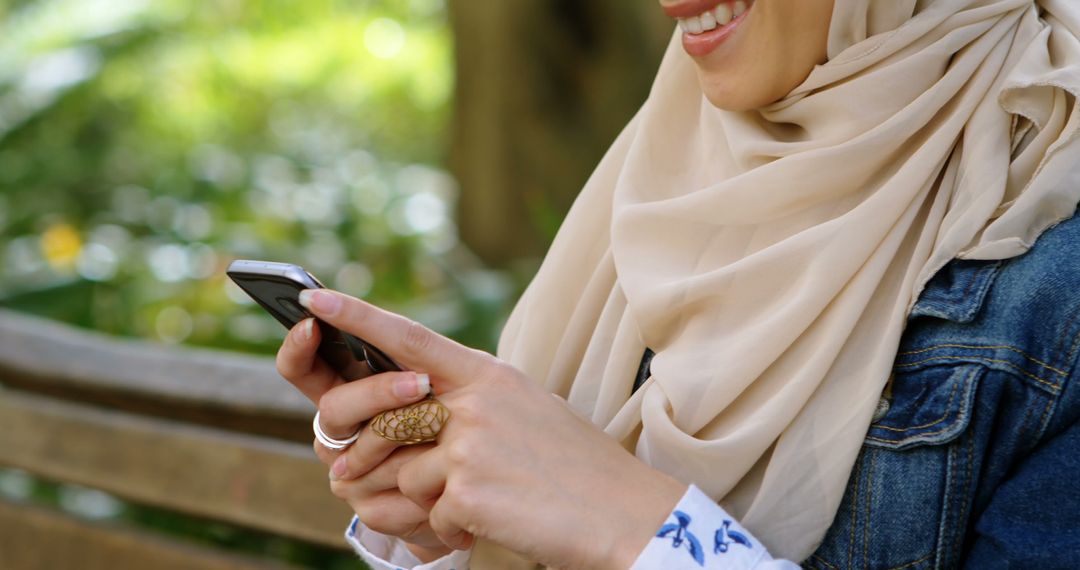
205	433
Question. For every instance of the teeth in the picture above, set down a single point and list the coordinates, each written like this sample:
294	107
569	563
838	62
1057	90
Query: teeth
708	22
723	14
719	16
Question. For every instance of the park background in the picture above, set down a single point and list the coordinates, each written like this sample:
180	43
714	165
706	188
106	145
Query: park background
417	153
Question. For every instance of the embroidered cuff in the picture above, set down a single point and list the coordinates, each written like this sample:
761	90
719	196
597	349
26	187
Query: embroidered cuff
382	552
700	534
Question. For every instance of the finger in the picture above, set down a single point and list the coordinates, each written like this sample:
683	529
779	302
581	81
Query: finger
384	476
325	454
346	406
298	362
423	479
369	450
444	521
408	342
388	513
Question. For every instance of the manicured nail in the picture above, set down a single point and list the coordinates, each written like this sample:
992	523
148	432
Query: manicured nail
405	386
423	383
338	469
322	302
309	325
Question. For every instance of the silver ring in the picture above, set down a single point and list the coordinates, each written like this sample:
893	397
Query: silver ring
330	442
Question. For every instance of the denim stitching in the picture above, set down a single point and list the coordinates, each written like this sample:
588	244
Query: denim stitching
854	503
866	511
948	406
908	439
823	561
902	441
946	504
1014	349
1053	387
910	564
968	479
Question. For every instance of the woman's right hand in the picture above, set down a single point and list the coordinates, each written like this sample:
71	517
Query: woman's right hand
375	496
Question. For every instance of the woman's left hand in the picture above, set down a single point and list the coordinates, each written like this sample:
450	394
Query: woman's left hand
514	464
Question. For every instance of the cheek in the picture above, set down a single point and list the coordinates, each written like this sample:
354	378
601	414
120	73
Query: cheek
772	55
748	76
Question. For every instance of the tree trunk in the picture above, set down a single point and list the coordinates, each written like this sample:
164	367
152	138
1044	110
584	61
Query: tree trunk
543	87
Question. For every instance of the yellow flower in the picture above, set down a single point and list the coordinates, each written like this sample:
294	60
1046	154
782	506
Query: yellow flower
61	244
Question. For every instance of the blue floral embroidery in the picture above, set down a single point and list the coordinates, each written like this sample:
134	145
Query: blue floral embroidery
680	532
721	542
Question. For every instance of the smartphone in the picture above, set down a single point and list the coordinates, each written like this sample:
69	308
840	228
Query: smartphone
277	286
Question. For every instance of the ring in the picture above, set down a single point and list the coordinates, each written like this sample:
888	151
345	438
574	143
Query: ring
416	423
328	441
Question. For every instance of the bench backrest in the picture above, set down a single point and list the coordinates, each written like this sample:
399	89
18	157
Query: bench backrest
213	434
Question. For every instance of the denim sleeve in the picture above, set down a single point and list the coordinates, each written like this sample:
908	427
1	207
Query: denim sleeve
1033	519
700	534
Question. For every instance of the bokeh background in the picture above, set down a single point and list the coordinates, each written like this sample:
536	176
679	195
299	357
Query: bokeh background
417	153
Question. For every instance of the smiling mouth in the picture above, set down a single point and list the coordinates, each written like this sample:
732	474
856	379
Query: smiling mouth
713	18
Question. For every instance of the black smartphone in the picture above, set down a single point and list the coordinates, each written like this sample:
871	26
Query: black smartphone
277	286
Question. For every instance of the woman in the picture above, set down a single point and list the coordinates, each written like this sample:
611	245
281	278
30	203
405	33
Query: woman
768	226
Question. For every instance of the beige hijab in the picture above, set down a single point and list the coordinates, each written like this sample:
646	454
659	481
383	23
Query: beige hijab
770	258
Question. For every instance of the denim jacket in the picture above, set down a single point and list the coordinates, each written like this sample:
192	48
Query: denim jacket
973	457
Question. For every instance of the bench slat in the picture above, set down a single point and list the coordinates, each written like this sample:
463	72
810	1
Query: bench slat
248	480
33	538
239	392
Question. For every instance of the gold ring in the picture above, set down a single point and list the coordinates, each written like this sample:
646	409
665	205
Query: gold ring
415	423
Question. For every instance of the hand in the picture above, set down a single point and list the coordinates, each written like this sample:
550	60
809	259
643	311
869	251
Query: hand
375	497
514	464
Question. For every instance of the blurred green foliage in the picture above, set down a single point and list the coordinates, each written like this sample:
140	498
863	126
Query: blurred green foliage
145	144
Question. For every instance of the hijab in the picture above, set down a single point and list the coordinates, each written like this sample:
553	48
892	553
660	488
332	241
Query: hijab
770	258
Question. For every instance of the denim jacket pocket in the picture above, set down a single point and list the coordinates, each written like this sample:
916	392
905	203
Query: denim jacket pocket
910	478
929	407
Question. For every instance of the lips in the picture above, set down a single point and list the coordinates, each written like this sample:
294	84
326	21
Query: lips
706	24
688	8
710	19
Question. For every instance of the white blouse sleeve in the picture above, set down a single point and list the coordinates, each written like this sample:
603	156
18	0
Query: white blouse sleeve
382	552
700	534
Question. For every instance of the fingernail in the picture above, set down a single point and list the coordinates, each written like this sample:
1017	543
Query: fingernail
309	324
332	476
337	471
322	302
406	385
423	383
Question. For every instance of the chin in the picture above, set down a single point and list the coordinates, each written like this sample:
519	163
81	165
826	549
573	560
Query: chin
736	92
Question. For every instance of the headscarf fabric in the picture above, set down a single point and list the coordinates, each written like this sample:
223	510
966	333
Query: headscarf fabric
770	258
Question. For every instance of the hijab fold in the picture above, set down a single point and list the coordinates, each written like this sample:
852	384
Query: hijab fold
770	258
